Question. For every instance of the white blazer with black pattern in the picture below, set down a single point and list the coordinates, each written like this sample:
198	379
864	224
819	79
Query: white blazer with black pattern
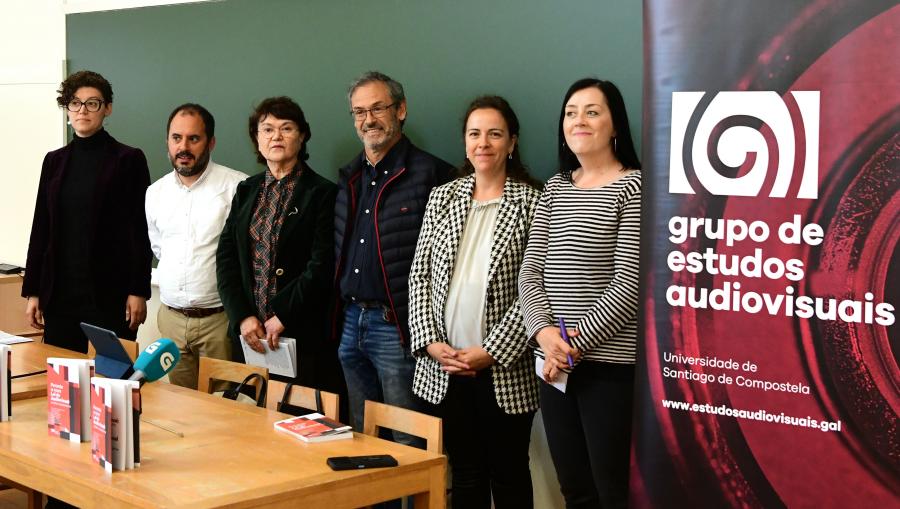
514	380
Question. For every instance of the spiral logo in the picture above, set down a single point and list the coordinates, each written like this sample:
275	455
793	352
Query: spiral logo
737	128
166	360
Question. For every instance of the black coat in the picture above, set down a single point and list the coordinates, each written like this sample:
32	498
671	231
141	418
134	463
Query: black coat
399	213
120	257
305	258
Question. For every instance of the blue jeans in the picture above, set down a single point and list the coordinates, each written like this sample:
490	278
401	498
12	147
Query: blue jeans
376	366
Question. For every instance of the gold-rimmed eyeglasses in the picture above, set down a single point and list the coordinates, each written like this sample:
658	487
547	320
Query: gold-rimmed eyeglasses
287	131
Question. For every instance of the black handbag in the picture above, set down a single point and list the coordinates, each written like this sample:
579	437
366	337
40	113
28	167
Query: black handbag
244	387
287	408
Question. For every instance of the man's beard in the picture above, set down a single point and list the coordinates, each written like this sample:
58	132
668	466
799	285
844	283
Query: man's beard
190	171
388	134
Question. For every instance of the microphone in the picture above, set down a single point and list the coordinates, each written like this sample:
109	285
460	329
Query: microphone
156	361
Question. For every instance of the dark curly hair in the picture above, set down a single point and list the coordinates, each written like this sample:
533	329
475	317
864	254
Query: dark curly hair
515	169
624	150
81	79
283	108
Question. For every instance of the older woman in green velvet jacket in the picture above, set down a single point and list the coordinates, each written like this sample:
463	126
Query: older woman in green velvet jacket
275	257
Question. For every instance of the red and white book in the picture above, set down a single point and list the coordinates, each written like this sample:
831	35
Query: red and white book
101	425
68	398
112	403
314	428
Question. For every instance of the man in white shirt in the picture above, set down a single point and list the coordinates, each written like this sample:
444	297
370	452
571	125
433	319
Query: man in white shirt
186	211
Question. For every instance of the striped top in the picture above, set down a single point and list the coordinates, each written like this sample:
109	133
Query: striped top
581	263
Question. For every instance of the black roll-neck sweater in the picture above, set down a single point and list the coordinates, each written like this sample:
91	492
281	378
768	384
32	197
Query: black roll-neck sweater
74	291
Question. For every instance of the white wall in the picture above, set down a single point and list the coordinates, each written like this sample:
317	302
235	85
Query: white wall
32	54
32	64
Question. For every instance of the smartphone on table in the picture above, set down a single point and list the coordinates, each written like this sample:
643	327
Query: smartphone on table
358	462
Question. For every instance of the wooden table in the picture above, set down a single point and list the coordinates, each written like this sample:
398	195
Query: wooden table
30	358
12	307
228	456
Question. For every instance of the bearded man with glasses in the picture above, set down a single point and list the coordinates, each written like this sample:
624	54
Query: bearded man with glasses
380	205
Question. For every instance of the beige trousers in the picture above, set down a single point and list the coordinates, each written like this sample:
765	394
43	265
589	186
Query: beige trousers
195	337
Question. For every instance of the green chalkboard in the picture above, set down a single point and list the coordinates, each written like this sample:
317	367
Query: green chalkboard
229	55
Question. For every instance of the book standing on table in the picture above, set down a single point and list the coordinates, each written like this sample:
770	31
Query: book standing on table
5	382
68	398
115	422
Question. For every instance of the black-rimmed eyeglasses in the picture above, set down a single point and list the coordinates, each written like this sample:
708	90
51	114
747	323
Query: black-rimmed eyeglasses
376	111
92	105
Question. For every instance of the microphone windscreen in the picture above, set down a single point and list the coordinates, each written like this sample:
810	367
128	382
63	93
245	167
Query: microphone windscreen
157	359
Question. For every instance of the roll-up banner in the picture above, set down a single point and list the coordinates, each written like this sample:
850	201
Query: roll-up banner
768	371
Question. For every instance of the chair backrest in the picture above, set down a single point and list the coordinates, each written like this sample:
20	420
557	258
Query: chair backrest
303	397
131	348
217	369
379	415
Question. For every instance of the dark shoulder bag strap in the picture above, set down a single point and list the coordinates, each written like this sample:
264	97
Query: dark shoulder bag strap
261	400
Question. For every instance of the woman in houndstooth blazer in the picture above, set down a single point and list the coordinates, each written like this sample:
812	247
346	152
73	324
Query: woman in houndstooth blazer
465	319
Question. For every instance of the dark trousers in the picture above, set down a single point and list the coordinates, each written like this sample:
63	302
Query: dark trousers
589	433
63	329
487	448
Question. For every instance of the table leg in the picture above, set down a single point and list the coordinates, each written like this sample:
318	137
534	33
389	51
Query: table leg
436	496
35	499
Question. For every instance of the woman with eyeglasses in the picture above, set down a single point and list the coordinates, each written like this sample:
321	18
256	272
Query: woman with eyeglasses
275	259
468	338
89	255
579	288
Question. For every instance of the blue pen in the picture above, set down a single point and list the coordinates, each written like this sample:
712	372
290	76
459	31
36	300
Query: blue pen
565	336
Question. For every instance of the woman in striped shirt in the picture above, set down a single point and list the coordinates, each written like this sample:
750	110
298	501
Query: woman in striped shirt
581	268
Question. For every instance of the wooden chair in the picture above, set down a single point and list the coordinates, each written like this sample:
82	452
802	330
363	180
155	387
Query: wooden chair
379	415
131	348
216	369
304	397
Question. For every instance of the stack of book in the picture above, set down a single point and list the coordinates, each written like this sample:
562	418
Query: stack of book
68	398
5	382
314	428
115	423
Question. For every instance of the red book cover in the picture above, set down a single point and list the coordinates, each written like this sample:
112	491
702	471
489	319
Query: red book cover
101	439
62	409
314	428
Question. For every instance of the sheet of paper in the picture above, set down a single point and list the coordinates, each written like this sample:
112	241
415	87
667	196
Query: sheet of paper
561	379
8	339
282	361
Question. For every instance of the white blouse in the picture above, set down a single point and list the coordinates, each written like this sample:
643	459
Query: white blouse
464	315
